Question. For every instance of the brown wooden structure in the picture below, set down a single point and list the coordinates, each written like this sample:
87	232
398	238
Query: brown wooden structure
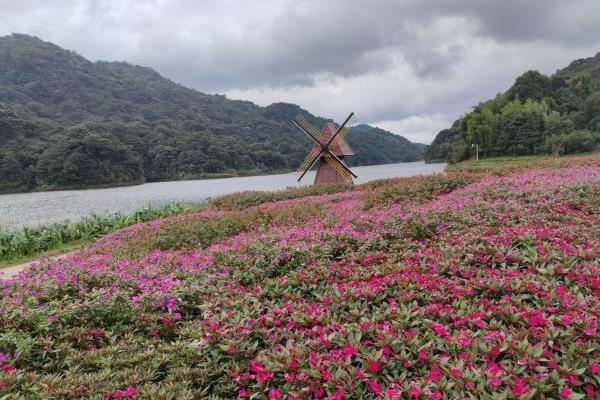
329	151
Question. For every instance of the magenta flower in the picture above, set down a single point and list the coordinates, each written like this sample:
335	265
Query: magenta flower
349	350
274	394
519	387
434	375
565	392
373	367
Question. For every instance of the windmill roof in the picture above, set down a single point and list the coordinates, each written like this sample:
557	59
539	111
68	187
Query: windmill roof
340	147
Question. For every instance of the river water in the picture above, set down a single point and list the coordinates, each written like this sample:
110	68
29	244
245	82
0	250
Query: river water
57	206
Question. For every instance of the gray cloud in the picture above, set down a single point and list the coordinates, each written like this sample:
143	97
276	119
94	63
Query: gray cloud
409	64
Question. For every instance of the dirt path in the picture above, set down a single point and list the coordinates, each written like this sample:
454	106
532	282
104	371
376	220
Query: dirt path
8	272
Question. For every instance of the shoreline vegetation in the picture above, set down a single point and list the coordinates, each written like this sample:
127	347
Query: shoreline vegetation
237	174
25	244
481	280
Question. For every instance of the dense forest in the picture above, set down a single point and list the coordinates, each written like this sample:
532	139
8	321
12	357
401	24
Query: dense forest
558	114
66	122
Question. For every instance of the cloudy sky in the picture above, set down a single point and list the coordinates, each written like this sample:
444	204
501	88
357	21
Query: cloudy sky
409	66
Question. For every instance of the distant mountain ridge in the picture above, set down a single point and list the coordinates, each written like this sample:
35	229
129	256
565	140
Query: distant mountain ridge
538	114
68	122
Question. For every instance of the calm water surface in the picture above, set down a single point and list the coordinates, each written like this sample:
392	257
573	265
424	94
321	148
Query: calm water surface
46	207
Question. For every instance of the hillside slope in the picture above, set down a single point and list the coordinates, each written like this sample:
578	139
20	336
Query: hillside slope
471	284
538	114
103	123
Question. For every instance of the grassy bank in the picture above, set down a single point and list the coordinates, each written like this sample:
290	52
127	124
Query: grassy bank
27	243
508	164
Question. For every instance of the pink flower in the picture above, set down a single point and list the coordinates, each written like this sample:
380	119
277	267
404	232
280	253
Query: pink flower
349	350
439	330
589	332
434	375
373	367
359	374
261	373
494	382
595	368
589	390
493	368
242	393
374	386
3	357
536	319
519	388
414	392
565	392
274	394
455	372
51	318
120	394
339	395
8	368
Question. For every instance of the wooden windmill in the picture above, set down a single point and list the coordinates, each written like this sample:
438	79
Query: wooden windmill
329	151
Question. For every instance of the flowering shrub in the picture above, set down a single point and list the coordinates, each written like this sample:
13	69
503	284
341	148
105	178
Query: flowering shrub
463	287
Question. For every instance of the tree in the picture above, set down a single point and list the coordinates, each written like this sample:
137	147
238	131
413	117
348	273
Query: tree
555	144
591	112
11	171
581	141
80	158
532	85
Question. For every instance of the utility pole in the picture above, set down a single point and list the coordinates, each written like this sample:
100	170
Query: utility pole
476	151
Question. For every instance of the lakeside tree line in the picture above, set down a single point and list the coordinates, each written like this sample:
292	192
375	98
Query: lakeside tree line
66	122
539	114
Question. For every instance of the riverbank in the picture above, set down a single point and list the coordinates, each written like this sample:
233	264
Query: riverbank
42	208
21	245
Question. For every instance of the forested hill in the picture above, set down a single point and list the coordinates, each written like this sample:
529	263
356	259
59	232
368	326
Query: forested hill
67	122
538	114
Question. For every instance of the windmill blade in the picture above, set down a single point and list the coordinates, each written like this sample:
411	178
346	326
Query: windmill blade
339	129
339	166
309	159
344	130
311	163
343	164
309	129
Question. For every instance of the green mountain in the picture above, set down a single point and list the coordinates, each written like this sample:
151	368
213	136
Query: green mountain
67	122
556	114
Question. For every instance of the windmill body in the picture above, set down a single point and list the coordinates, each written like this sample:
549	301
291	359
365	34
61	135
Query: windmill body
328	152
326	172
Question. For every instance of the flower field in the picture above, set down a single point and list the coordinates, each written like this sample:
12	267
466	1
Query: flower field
482	285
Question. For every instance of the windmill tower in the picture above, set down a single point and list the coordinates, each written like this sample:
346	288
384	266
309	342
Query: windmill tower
329	151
